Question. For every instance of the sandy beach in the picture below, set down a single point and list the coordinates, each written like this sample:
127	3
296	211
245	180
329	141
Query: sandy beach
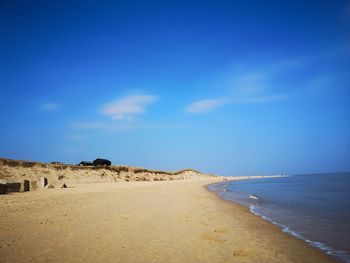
168	221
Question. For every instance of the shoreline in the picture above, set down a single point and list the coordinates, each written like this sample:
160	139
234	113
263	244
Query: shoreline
323	248
169	221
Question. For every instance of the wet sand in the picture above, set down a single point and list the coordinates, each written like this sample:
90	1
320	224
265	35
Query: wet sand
168	221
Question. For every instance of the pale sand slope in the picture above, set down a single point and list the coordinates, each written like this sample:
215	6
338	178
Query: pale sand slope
174	221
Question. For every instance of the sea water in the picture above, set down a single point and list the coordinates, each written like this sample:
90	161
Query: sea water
314	208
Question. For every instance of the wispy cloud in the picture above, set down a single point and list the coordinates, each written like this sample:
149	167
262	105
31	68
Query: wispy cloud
250	84
261	80
88	125
128	107
241	84
260	99
107	126
50	106
203	106
113	127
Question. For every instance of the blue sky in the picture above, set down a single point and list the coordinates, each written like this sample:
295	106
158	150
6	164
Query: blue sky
228	87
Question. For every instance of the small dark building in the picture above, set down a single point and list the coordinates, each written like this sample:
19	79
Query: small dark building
101	162
85	163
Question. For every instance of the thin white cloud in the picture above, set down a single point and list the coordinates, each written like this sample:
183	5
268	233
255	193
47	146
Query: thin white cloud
88	125
108	126
128	107
269	82
250	84
260	99
85	127
50	106
203	106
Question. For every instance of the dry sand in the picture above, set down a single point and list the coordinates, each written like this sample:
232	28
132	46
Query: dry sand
169	221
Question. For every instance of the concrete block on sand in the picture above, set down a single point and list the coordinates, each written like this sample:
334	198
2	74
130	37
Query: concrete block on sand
3	188
13	187
33	185
25	186
43	182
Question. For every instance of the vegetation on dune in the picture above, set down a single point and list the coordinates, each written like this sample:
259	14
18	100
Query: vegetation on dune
58	172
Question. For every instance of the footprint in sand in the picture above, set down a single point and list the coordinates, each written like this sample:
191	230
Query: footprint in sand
239	253
212	238
221	230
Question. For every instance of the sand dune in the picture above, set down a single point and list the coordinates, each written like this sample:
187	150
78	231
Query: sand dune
59	174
